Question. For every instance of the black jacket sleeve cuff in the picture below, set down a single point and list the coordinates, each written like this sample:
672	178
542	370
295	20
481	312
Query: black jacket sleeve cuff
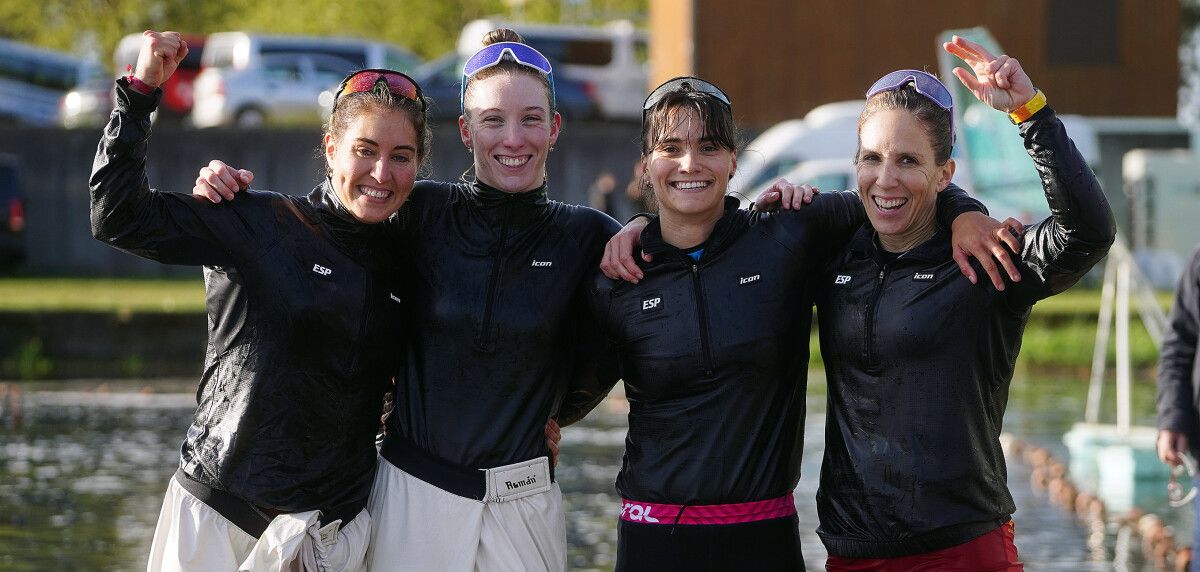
133	102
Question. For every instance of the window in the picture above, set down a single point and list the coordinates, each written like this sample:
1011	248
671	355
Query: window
575	52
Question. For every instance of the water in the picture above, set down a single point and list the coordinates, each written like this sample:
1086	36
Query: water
82	473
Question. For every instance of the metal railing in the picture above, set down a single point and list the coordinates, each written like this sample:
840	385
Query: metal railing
1123	280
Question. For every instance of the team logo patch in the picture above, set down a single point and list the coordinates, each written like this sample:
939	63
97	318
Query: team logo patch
923	277
841	279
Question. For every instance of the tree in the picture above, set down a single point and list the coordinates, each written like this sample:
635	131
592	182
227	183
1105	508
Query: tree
93	27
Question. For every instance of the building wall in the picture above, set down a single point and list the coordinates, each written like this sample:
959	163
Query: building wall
780	58
671	44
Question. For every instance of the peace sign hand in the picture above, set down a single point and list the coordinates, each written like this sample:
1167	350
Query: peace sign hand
999	81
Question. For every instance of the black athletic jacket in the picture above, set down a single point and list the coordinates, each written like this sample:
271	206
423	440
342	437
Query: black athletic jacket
714	354
1178	369
304	323
501	311
919	360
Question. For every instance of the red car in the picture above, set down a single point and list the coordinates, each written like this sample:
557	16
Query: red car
177	92
12	215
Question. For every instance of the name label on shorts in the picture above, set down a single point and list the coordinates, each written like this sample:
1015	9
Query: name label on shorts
518	480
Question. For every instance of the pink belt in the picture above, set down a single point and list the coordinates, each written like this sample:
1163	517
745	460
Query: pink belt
655	513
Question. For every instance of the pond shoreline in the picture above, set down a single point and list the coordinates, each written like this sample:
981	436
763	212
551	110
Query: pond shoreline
61	345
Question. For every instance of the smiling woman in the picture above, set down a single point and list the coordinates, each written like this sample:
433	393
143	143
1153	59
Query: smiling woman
303	324
919	360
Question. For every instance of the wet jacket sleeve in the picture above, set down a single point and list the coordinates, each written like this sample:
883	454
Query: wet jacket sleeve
952	202
168	227
595	370
1080	229
840	214
1177	373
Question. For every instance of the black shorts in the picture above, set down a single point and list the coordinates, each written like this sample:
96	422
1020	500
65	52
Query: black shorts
762	545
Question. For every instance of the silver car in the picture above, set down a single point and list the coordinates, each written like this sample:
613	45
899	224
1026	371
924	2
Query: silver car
251	80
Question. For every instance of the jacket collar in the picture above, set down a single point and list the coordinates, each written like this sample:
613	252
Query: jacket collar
936	249
348	232
487	196
722	234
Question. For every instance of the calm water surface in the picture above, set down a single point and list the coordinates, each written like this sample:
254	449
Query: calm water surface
83	470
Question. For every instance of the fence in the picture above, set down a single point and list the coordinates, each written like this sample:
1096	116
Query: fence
55	165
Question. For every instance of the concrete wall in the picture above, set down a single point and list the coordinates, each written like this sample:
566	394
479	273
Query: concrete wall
55	165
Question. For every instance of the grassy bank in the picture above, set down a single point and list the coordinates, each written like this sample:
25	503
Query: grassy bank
101	295
1061	331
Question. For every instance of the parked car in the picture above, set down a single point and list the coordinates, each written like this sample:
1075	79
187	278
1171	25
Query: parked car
441	82
12	215
178	90
612	58
87	105
248	80
33	82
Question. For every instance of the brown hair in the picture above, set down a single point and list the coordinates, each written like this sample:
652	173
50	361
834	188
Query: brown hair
380	99
716	117
507	66
933	118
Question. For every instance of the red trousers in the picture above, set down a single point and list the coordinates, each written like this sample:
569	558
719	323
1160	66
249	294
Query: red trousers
992	552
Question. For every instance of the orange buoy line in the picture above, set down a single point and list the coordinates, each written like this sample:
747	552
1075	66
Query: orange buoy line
1049	476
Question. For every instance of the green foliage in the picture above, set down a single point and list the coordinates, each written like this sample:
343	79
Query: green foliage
30	363
427	28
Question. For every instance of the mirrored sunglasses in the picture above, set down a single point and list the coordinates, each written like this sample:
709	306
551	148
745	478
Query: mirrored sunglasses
925	83
363	81
686	83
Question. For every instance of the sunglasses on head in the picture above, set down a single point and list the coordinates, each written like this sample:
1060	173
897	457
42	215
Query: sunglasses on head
363	81
494	54
686	83
925	83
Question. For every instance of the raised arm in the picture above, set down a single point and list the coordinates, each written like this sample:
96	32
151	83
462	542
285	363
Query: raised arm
1080	229
125	213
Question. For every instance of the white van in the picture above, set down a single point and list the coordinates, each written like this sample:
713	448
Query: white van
251	79
612	58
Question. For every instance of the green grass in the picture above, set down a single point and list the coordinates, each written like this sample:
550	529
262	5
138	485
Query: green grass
1061	331
101	295
1082	303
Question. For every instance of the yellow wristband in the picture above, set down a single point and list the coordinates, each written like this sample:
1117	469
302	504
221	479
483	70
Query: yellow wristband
1034	105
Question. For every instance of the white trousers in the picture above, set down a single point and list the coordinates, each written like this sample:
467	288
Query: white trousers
191	536
418	526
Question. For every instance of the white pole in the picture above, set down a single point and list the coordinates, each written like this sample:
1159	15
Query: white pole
1100	353
1123	371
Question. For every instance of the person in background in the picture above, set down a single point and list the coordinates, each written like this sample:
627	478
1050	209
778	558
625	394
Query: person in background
1178	380
304	313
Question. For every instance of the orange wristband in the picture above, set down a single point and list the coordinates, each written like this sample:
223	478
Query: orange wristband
1034	105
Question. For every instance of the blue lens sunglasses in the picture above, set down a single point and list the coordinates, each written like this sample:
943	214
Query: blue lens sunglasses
496	53
925	83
